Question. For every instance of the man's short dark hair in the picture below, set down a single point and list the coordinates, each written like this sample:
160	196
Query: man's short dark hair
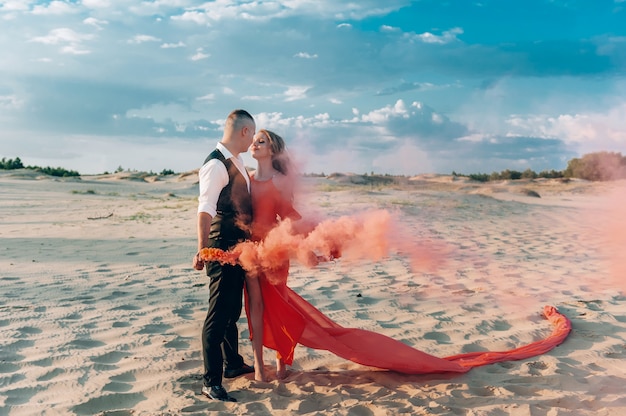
237	118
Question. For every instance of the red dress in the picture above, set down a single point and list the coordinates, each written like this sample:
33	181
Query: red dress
289	320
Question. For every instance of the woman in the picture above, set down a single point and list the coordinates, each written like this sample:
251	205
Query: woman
280	319
272	194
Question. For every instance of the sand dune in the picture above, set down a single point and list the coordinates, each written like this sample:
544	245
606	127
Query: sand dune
101	310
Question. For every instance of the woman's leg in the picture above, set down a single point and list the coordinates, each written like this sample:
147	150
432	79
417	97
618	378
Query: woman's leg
281	368
255	304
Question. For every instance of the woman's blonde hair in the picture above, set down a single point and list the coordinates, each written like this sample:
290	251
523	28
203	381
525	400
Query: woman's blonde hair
280	159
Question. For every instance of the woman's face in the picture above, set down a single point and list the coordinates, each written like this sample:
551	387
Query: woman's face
260	147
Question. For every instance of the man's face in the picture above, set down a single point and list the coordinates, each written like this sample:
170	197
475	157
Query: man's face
248	136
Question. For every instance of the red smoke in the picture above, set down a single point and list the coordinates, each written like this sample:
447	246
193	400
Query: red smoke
368	236
614	229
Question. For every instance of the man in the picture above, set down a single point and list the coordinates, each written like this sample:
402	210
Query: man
224	216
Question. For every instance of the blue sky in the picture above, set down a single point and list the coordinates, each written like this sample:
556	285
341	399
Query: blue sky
395	86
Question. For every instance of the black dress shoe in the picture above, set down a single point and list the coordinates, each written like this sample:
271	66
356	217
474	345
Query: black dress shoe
236	372
217	393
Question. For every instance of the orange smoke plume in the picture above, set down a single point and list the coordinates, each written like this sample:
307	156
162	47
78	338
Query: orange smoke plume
367	236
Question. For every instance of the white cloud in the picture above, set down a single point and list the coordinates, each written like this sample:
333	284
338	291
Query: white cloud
194	17
74	50
473	138
173	45
386	28
55	8
158	7
70	40
254	98
447	36
305	55
590	131
10	102
199	55
15	5
97	4
62	35
263	11
383	114
92	21
138	39
295	93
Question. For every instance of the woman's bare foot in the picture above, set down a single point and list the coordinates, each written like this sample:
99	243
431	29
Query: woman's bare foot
281	369
259	366
259	375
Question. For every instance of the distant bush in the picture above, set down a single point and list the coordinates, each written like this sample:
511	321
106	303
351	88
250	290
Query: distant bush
16	163
552	174
601	166
480	177
11	163
61	172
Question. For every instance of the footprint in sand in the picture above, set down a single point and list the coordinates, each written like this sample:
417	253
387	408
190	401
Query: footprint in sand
29	330
366	300
118	402
187	365
619	354
85	344
51	374
158	328
440	337
120	383
536	368
126	307
115	295
111	357
19	396
180	343
185	313
487	327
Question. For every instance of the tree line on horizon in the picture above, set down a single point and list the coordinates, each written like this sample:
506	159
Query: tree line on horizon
10	164
598	166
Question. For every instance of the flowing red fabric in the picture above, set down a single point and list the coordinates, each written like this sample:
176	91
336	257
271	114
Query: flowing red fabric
289	320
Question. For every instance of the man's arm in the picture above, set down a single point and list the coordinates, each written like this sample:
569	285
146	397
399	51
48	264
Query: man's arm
213	177
204	226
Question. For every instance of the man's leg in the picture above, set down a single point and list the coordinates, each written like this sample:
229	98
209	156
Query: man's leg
214	327
230	346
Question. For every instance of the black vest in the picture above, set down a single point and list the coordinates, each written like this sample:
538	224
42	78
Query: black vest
231	224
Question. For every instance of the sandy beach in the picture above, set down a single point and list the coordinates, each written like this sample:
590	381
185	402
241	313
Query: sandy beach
101	310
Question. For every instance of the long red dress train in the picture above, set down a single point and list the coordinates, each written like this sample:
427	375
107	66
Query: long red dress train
289	320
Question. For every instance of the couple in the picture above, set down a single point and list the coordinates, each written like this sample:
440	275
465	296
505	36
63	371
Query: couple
228	198
234	207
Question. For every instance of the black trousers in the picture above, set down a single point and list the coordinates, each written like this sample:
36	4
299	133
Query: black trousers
219	333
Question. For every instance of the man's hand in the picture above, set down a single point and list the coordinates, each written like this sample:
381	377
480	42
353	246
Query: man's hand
204	227
197	262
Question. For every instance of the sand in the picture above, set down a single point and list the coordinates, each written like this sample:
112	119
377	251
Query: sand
101	310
